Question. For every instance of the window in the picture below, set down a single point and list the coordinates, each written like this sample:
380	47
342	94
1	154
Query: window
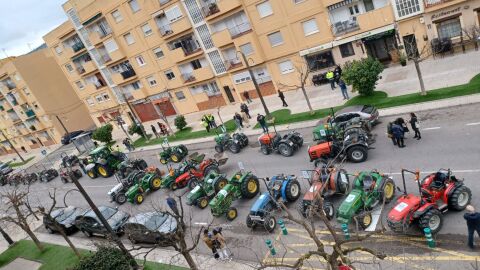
136	85
286	67
449	28
180	95
69	68
147	30
241	77
110	45
246	49
79	85
129	38
310	27
151	81
169	74
298	1
264	9
320	60
196	64
275	39
99	98
158	53
173	14
407	7
117	16
134	5
58	50
140	60
353	10
105	96
346	50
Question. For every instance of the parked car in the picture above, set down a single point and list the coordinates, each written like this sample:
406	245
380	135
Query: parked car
5	168
67	138
65	217
365	112
150	227
90	224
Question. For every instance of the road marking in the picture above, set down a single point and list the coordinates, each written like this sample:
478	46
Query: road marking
473	124
453	171
431	128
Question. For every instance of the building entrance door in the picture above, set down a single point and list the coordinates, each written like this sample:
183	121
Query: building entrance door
228	92
410	45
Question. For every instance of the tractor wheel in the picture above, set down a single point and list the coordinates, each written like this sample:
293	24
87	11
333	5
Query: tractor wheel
432	219
285	150
250	187
202	202
232	213
163	161
292	190
250	223
92	173
142	164
244	140
104	171
139	198
357	154
234	148
221	182
388	191
211	168
155	183
174	186
365	220
329	210
218	148
270	223
300	142
193	182
121	198
265	149
175	158
460	198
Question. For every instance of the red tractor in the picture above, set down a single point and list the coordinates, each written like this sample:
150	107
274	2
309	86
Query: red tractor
194	175
285	145
439	192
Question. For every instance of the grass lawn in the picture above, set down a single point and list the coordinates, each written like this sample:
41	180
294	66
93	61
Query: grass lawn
20	163
55	257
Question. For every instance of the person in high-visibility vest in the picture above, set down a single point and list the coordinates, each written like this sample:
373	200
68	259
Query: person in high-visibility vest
330	77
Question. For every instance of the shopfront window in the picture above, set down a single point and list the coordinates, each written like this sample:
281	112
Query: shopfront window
320	60
449	28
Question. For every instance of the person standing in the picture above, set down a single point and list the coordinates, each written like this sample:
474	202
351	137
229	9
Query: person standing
398	134
246	95
221	244
473	224
390	133
337	72
245	120
343	88
282	97
415	126
207	239
330	77
244	108
238	121
154	130
263	122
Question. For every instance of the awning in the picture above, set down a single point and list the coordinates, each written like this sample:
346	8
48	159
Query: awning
92	19
339	4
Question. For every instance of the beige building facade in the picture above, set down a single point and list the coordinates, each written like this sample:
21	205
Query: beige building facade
33	92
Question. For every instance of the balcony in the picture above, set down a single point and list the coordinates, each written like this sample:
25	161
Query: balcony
181	54
364	22
214	8
122	77
344	27
77	47
89	67
10	85
239	29
114	57
222	38
97	37
188	77
175	28
232	64
29	113
203	73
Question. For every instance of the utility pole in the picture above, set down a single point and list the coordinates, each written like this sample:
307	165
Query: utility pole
113	235
267	112
11	145
137	119
61	123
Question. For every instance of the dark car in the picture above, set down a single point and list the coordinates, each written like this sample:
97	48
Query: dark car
65	217
365	112
90	224
5	168
67	138
151	228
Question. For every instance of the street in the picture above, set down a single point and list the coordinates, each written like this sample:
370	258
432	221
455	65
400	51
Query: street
449	140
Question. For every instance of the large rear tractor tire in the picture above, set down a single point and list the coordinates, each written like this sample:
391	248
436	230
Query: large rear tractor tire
285	150
234	148
265	149
292	190
388	190
232	213
92	173
432	219
460	198
220	184
270	223
155	183
202	203
219	148
139	198
104	171
175	158
357	154
250	187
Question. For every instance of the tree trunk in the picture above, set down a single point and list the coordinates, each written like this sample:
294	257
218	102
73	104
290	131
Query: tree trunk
7	237
306	98
190	261
420	78
33	237
67	239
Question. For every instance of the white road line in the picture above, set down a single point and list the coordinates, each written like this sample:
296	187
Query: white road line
432	128
453	171
473	124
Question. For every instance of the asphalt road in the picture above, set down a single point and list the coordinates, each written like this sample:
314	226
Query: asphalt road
450	139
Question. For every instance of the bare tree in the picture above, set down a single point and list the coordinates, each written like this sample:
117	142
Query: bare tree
472	33
47	214
303	73
19	212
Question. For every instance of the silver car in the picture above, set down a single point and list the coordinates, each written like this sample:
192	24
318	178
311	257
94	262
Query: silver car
365	112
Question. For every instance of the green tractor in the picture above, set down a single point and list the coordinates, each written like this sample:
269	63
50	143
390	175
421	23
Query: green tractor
332	130
206	190
103	161
369	190
185	166
151	181
241	185
173	153
233	143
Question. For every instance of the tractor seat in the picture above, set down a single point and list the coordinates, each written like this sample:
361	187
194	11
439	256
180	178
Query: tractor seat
368	183
438	181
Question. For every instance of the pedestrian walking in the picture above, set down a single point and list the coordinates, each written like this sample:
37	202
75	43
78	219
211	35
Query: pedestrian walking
390	133
238	121
263	122
337	73
415	126
343	88
330	77
207	239
398	133
473	224
221	244
282	97
246	95
245	120
154	131
244	108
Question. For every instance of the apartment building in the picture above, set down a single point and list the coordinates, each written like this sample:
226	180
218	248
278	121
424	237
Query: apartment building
33	92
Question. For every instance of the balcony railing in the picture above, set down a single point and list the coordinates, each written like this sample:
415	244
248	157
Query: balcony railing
29	113
128	73
80	70
190	47
233	63
77	47
165	30
209	8
239	29
188	77
430	3
343	27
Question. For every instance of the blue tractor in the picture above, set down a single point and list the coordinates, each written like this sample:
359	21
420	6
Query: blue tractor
280	188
